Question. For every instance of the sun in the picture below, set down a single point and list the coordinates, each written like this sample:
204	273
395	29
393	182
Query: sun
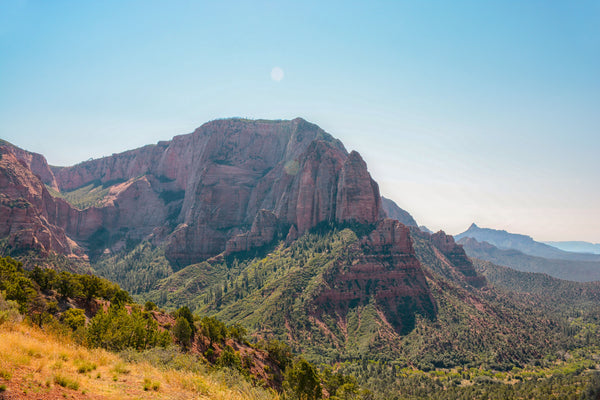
276	74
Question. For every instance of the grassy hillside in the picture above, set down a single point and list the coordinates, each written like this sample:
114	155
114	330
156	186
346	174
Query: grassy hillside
37	363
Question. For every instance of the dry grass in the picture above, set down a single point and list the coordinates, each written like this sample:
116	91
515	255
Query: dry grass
35	363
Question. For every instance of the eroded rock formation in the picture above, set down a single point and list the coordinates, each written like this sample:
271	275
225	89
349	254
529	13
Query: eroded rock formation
458	258
386	271
201	191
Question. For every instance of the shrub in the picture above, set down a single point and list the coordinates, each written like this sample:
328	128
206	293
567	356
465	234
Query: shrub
303	382
85	366
228	358
119	330
66	382
74	318
149	384
9	310
182	332
213	329
184	312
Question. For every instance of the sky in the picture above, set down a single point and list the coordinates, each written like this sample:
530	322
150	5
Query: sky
465	111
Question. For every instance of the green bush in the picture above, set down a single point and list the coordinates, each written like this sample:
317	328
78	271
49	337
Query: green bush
213	329
302	381
228	358
66	382
182	332
9	310
74	318
119	329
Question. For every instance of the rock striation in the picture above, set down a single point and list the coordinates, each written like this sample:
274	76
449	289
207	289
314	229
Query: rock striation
230	185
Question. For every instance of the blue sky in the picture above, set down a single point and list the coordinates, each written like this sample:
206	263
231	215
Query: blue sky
465	111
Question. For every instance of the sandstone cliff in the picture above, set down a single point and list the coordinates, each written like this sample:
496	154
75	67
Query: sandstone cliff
28	213
205	192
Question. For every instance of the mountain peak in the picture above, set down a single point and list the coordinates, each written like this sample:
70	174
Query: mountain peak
523	243
202	189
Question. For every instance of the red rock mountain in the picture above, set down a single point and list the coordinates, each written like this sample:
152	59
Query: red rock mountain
386	269
230	185
29	216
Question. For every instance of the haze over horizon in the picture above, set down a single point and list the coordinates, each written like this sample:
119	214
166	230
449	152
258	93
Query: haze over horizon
464	112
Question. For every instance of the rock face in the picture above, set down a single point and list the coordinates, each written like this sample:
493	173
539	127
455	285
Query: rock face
458	258
35	162
28	213
385	270
230	185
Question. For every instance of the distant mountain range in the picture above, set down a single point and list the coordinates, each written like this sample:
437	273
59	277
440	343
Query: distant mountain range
572	270
525	244
577	246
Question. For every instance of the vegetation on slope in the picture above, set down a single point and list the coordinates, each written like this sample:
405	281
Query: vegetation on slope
41	364
272	297
90	195
484	342
136	269
555	292
179	344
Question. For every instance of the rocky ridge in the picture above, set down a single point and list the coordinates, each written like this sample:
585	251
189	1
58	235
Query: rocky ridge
230	185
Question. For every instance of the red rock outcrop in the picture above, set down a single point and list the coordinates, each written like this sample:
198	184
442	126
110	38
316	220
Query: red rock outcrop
357	193
385	269
264	230
458	258
35	162
27	210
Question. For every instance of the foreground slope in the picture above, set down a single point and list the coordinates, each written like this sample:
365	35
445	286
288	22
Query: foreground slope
38	364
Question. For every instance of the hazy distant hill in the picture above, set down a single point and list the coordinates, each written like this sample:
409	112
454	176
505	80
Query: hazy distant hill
525	244
577	246
557	292
394	212
581	271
